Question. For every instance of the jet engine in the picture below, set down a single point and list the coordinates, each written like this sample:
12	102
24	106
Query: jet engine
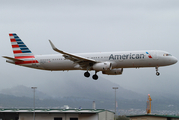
102	66
117	71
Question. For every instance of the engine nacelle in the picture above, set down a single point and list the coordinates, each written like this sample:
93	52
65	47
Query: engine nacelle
113	71
102	66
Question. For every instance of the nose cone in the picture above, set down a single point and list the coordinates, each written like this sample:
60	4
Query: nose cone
174	60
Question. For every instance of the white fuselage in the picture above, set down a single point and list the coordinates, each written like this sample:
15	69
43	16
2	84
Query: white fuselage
123	59
110	63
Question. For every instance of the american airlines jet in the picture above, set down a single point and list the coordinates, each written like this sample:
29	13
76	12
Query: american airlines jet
110	63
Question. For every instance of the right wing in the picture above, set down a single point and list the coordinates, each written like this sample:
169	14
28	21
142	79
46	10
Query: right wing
82	61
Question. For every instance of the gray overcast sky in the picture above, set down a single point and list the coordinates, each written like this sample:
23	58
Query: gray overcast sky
92	26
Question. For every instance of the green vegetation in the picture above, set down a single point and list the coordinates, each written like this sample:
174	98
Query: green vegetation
122	117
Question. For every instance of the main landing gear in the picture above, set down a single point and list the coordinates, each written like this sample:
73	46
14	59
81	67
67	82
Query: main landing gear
95	76
157	73
87	74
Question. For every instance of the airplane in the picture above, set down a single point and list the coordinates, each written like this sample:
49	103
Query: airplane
110	63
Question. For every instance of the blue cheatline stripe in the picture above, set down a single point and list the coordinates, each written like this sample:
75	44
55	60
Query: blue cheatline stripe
18	40
26	52
16	36
20	43
22	46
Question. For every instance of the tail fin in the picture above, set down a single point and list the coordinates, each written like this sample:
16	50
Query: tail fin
20	50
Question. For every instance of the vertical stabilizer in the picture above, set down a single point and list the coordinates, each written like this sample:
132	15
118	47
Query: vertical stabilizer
20	50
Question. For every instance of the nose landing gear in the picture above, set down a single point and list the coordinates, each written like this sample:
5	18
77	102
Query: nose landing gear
157	73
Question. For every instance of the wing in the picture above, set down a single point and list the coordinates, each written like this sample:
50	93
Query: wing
82	61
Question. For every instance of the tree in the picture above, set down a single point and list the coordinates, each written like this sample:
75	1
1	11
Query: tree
122	117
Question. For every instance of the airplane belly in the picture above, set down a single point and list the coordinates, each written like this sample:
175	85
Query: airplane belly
136	63
58	65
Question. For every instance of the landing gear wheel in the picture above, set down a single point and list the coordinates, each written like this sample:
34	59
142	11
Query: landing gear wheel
157	73
95	77
87	74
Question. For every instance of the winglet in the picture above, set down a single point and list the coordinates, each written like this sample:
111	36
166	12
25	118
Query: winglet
53	46
55	49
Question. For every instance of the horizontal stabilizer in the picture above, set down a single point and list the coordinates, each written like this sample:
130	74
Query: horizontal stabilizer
14	59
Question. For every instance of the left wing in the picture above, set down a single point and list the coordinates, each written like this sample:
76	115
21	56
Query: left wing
82	61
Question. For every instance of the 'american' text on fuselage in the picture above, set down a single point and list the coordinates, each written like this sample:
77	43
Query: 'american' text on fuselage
126	56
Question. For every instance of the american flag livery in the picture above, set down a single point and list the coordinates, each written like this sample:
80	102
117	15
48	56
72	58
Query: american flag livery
148	55
21	51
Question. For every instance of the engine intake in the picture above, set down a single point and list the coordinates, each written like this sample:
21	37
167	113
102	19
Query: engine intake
113	71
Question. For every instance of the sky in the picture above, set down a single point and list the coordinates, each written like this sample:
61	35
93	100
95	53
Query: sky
92	26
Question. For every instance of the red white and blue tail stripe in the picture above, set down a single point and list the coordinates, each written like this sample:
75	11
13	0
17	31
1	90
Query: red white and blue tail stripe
21	51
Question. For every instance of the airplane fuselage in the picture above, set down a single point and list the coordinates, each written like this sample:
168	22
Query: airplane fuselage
122	59
110	63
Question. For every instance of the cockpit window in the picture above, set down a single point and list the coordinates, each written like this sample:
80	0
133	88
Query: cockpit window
165	54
